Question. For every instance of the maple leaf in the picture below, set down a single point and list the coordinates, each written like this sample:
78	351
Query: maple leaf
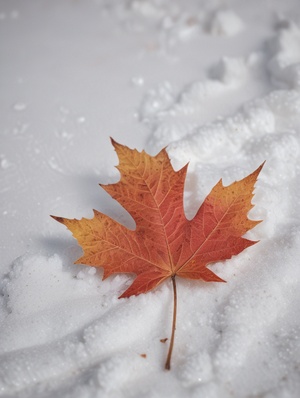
165	243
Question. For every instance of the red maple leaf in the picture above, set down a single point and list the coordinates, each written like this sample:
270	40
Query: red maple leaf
165	244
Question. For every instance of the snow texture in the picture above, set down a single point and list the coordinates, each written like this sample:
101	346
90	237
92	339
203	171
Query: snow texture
220	87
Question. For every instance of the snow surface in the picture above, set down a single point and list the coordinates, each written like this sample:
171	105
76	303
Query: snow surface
219	83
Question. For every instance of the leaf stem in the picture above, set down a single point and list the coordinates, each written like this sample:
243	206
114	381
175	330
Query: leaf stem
168	362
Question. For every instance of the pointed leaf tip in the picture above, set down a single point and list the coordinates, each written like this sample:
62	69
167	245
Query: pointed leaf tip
113	142
258	170
59	219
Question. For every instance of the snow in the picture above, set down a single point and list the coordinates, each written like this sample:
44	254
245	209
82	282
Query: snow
225	22
218	84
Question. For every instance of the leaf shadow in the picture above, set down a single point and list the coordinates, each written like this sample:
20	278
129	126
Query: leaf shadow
92	196
85	192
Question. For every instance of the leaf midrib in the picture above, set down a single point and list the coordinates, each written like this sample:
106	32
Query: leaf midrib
160	215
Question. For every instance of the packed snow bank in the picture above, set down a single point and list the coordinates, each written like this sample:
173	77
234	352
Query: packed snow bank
67	331
220	87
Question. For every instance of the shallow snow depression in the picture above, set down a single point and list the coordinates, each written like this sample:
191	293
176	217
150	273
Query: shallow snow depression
219	86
